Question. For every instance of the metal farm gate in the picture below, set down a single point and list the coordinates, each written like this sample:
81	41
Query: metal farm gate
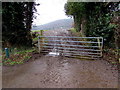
79	47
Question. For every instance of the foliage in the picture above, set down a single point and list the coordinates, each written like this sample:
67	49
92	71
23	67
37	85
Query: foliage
77	10
93	19
102	28
17	56
38	30
16	23
75	33
110	55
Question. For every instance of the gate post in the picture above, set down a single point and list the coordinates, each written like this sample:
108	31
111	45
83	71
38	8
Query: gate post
100	45
39	43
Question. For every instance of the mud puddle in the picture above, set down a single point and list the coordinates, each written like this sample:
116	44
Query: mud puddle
60	72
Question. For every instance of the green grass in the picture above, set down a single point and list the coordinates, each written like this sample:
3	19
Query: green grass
37	30
73	30
17	56
75	33
38	34
35	39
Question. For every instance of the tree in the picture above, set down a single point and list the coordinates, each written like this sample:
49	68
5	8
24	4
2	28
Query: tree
77	10
16	23
94	17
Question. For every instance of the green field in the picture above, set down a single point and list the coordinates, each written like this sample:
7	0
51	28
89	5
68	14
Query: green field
37	30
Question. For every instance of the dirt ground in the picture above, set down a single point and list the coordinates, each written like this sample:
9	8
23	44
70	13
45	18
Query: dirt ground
60	72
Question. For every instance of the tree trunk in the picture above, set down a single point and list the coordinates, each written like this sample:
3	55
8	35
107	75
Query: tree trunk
77	23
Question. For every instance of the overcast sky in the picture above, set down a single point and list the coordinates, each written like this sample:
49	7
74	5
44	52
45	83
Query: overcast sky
50	10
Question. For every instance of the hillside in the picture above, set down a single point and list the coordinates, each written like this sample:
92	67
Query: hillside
63	23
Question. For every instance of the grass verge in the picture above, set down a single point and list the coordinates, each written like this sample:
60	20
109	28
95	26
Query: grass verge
75	33
17	57
37	30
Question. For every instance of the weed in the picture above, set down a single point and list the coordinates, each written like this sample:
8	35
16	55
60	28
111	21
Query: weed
18	57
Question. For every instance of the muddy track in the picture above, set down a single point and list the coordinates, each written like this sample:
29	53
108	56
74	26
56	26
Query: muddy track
60	72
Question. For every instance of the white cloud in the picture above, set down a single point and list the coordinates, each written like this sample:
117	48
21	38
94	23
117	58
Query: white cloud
50	10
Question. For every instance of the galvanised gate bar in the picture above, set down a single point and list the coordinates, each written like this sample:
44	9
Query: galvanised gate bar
79	47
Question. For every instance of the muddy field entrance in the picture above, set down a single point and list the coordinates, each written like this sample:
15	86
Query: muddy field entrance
60	72
57	72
